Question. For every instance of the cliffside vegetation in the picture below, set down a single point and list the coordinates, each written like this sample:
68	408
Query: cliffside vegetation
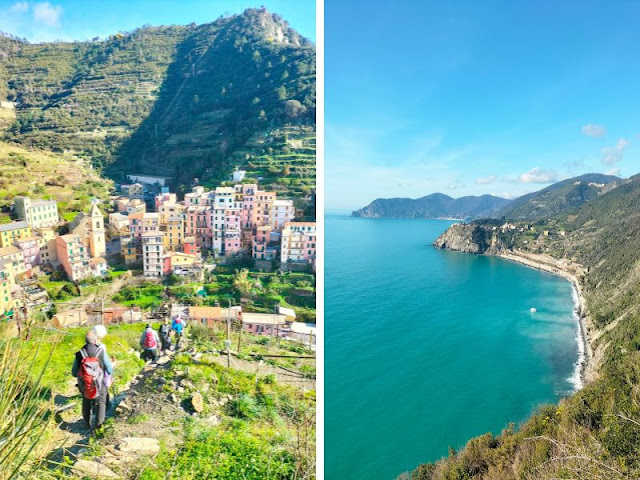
596	432
42	174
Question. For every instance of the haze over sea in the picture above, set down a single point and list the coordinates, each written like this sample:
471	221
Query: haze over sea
427	348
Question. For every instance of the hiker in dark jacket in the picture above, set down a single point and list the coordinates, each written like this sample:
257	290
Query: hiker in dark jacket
99	403
165	335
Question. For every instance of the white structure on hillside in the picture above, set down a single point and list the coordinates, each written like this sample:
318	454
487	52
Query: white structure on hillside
281	212
37	213
149	179
239	175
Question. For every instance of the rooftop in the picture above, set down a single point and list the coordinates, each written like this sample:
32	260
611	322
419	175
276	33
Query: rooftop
152	233
9	250
40	203
70	237
205	312
7	227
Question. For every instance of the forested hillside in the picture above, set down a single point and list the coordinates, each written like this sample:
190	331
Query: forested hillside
558	198
595	433
178	101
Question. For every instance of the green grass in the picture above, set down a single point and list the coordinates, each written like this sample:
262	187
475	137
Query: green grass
119	341
267	430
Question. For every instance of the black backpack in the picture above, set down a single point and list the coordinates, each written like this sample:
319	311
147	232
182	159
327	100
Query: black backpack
164	330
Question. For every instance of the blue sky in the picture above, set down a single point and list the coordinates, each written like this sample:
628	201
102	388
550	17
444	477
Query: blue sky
469	97
82	20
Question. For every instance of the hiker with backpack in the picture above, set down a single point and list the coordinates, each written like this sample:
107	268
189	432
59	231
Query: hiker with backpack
89	367
165	335
177	326
150	342
101	332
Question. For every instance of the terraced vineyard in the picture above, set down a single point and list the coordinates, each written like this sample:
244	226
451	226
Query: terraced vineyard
41	175
178	101
283	161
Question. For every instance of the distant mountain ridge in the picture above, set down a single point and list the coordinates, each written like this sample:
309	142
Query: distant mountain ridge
436	205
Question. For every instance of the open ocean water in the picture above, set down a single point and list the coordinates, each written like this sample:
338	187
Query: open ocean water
425	348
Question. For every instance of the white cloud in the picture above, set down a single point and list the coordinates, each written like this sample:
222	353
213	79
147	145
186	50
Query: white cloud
486	180
538	175
612	155
507	195
456	185
19	7
47	14
592	130
613	171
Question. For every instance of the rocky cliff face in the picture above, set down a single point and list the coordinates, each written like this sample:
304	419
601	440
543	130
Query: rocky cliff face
470	238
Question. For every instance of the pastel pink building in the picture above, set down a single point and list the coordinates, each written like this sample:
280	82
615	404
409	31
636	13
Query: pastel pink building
232	243
260	245
248	199
196	225
136	226
73	255
31	251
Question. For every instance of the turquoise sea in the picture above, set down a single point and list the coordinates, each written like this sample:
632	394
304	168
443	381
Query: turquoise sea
426	348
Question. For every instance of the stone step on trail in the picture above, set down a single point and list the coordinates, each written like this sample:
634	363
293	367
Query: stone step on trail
90	469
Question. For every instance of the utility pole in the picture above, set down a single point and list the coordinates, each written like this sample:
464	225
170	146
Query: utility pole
273	325
228	342
240	335
102	311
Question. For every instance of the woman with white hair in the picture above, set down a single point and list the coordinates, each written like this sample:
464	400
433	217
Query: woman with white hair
89	363
101	332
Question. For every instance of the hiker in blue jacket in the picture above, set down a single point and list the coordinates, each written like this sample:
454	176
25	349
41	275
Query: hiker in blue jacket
177	326
97	388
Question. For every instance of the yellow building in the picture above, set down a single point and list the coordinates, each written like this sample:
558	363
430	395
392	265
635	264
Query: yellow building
182	260
129	250
13	258
174	233
6	281
10	231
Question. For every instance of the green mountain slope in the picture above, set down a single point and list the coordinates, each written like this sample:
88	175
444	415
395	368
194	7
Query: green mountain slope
179	101
595	432
557	198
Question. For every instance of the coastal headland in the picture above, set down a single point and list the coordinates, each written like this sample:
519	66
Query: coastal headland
474	239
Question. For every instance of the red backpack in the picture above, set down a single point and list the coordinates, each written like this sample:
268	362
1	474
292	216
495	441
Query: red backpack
150	340
90	375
